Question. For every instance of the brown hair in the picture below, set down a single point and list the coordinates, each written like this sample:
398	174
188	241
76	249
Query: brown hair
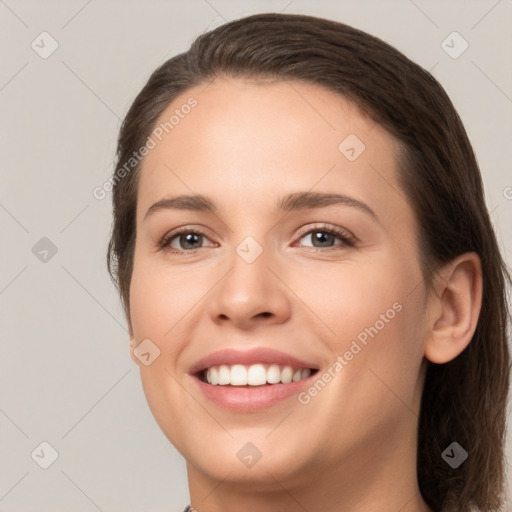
463	400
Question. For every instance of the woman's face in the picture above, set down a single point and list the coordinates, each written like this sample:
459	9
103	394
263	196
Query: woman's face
332	285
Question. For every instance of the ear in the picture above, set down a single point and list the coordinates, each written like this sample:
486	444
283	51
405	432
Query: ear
454	308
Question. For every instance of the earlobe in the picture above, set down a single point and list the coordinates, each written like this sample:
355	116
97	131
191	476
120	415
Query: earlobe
457	306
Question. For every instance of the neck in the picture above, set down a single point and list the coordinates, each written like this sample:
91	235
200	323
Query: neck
377	476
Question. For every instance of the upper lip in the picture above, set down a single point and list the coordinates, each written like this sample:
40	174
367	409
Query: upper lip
262	355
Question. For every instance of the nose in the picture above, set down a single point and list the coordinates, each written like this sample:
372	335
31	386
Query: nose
251	294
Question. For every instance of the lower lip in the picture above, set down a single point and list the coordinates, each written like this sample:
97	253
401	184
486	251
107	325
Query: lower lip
251	398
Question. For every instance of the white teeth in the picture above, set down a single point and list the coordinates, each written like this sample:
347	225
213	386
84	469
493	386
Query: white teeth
286	375
238	375
305	373
224	375
254	375
273	374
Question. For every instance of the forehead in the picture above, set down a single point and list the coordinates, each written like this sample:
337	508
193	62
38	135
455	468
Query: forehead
244	138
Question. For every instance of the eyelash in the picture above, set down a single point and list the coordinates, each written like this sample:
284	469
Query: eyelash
347	239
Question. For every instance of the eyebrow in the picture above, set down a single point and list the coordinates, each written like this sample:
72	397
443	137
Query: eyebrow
292	202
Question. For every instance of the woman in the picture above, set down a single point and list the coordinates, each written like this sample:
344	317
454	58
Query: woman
314	292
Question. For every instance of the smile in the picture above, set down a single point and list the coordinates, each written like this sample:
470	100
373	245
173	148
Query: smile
245	380
253	375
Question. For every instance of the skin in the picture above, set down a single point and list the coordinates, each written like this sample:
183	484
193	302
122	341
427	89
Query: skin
353	446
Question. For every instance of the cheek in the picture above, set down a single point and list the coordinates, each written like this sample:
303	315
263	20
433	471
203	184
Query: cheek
159	303
160	299
372	317
351	296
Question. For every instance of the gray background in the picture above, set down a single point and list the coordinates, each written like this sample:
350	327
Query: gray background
65	372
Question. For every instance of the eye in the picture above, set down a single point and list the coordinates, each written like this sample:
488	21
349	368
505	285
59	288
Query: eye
323	237
188	241
184	240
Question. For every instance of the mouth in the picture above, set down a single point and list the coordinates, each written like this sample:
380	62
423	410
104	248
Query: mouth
253	379
254	375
